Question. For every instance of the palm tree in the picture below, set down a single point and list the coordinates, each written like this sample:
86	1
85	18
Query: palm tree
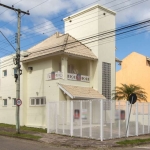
124	91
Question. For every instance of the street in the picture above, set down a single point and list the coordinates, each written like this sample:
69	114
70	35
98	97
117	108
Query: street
7	143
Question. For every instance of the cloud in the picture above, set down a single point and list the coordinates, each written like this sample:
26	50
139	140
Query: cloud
6	31
49	8
46	28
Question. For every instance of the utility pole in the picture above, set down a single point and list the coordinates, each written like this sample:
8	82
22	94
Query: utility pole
17	62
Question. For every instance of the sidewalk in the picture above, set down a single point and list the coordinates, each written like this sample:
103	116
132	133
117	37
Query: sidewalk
76	142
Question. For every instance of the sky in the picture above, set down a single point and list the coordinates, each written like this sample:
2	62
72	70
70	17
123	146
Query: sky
46	17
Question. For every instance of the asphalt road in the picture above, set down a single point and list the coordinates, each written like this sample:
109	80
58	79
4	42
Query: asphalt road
7	143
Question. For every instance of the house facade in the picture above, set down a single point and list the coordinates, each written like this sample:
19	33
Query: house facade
76	65
135	69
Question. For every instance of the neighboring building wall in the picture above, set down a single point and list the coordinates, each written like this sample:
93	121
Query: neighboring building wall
8	92
90	22
135	70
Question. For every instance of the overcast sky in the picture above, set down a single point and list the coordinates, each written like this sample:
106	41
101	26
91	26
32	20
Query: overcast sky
49	14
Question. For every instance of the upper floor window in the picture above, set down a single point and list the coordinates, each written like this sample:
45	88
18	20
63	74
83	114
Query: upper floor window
37	101
4	73
4	102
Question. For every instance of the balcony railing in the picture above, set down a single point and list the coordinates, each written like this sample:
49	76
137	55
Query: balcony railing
55	75
78	77
70	76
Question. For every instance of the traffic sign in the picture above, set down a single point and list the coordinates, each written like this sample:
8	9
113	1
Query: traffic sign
132	98
18	102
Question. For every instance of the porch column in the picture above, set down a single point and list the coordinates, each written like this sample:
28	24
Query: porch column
51	66
68	109
64	66
91	72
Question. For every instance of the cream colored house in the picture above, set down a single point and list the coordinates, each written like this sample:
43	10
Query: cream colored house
63	67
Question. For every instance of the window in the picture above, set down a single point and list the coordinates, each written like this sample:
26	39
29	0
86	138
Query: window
4	102
32	101
37	101
14	101
4	73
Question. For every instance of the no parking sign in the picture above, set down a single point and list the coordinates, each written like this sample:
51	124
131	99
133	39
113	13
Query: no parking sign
18	102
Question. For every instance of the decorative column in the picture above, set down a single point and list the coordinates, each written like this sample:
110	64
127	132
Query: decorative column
91	72
64	66
51	65
68	109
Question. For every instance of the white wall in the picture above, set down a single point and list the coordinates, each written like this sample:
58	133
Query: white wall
91	22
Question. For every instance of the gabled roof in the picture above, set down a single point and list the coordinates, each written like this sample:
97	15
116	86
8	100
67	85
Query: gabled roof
78	92
59	43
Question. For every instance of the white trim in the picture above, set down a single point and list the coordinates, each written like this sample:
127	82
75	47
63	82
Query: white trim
87	10
71	96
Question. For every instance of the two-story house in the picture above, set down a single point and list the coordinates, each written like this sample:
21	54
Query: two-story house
76	65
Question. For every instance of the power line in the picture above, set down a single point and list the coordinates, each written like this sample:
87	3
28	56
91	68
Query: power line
8	9
104	4
67	26
112	40
65	13
7	40
113	5
115	30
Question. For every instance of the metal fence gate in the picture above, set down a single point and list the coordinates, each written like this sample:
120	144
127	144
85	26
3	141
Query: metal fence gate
92	119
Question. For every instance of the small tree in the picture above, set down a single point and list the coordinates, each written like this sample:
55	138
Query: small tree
124	91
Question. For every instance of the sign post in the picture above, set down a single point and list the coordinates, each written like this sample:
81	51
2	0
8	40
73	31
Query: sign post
132	100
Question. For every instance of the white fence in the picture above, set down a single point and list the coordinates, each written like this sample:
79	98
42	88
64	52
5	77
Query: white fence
94	119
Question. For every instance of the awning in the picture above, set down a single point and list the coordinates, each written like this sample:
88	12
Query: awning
78	92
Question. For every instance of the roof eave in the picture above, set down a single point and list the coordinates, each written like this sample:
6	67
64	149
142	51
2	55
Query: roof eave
80	56
41	57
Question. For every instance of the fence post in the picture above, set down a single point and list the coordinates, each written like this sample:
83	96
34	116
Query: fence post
119	118
71	119
143	116
90	118
56	118
101	114
127	118
48	119
80	118
63	117
137	124
148	117
111	114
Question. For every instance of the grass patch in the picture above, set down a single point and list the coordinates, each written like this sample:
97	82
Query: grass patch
133	142
24	136
33	129
40	130
7	125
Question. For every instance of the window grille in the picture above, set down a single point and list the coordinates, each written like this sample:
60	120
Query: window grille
106	83
37	101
